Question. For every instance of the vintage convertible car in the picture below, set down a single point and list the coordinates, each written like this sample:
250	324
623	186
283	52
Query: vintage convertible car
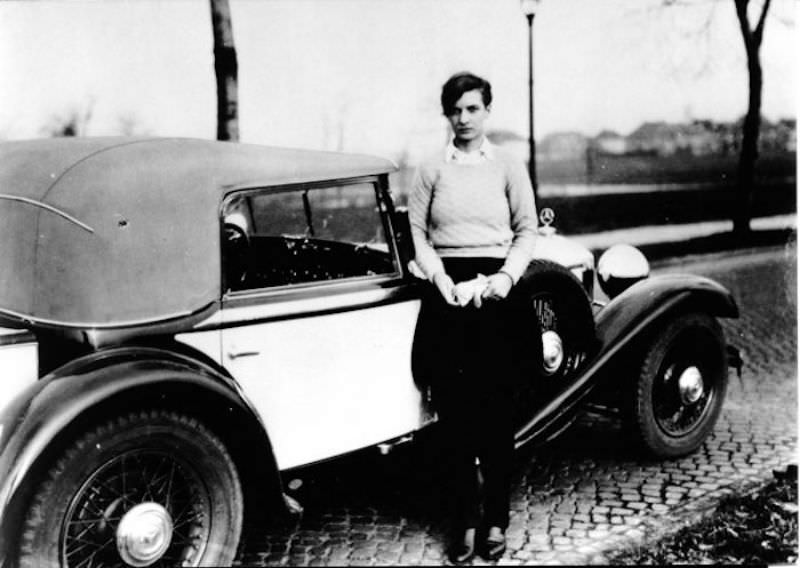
184	321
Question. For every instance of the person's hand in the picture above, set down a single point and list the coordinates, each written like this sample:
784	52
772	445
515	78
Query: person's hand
498	287
446	287
471	291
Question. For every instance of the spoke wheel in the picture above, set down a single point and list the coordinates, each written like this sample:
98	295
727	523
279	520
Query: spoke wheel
562	353
561	334
143	505
681	386
562	321
153	489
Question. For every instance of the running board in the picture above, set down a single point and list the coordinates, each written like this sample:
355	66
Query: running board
387	447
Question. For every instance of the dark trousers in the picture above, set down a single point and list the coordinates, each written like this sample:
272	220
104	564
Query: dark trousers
472	358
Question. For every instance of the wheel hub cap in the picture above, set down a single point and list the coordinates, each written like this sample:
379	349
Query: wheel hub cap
144	534
552	352
690	385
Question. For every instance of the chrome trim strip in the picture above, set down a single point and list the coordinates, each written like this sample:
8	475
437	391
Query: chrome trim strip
302	306
90	325
16	337
256	187
320	287
47	207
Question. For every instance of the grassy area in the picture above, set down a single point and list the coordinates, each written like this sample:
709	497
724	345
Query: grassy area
716	199
688	202
759	528
679	168
717	242
602	212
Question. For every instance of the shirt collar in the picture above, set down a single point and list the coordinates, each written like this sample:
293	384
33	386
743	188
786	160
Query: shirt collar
486	151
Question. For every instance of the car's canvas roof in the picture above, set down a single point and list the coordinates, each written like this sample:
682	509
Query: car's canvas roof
99	232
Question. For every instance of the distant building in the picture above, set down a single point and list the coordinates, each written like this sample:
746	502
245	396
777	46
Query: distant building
652	138
779	136
697	138
562	146
610	142
789	129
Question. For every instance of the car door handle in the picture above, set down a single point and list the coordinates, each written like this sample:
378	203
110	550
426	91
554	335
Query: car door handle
237	354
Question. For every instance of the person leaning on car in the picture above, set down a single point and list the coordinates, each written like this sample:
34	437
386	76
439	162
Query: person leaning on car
473	222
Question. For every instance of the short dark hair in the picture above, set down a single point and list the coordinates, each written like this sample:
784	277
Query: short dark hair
459	84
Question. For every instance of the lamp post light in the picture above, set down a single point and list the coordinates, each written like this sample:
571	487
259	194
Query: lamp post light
529	9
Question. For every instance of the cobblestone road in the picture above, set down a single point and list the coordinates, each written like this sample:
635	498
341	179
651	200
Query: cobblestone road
589	494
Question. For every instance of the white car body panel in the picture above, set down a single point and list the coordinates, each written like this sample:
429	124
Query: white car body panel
207	342
19	365
329	384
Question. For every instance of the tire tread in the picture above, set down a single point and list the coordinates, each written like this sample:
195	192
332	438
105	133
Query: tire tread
29	556
651	361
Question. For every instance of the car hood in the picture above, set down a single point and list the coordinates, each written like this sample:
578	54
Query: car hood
564	251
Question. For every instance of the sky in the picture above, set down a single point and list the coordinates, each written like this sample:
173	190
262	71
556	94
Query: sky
365	75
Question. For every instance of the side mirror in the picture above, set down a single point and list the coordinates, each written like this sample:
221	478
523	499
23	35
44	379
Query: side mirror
402	231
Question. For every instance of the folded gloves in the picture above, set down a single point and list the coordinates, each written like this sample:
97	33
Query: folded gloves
466	291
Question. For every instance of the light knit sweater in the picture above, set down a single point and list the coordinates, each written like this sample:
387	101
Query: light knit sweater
483	209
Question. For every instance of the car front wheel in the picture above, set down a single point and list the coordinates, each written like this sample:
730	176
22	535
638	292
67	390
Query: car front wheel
151	489
681	385
563	318
561	333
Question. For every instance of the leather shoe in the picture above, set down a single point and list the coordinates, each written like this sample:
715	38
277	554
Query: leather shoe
463	551
495	544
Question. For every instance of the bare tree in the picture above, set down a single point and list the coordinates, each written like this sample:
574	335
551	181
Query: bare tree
746	178
748	154
226	69
72	122
129	124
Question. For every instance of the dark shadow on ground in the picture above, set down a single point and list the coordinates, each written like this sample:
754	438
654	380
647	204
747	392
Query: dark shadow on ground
364	491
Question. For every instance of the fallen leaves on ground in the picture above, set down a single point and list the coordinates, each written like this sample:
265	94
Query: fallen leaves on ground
760	528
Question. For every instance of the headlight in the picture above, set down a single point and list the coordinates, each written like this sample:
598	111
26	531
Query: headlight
619	267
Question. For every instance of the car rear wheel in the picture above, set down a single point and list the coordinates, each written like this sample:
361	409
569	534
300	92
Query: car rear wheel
150	489
681	385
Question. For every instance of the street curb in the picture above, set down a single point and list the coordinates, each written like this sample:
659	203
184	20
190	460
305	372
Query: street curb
664	241
713	244
709	257
690	514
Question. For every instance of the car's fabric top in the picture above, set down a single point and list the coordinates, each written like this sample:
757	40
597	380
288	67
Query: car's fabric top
99	232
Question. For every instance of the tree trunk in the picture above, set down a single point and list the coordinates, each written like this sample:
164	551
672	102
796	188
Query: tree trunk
746	178
226	69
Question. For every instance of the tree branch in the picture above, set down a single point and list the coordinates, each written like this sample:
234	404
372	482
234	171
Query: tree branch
759	32
744	24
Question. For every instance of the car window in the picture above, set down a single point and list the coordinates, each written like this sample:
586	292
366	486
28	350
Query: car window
319	234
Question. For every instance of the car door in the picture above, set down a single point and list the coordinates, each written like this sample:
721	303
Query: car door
318	322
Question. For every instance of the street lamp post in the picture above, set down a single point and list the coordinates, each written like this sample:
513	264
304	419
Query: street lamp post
529	9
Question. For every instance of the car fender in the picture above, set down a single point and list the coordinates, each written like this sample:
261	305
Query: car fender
37	421
619	324
639	307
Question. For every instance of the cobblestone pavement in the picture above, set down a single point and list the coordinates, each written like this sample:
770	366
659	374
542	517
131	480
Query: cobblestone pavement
587	495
